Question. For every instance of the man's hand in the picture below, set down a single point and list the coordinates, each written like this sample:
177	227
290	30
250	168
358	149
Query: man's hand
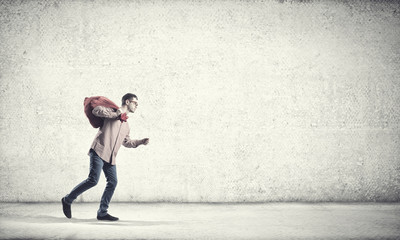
145	141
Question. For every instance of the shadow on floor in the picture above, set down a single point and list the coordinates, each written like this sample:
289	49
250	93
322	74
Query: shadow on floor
93	221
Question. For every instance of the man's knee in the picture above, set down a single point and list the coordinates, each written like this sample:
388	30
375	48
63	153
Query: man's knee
92	181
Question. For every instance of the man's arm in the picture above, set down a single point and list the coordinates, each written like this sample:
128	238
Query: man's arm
129	143
106	112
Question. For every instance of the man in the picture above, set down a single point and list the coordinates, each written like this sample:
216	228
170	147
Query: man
112	134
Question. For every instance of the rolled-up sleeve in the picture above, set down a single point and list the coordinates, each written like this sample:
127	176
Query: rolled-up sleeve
130	143
105	112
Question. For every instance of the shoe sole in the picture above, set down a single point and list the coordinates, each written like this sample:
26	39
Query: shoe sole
111	220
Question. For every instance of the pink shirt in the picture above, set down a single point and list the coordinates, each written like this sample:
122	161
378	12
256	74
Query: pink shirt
111	135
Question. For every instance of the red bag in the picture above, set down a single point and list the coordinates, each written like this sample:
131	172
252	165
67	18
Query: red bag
91	102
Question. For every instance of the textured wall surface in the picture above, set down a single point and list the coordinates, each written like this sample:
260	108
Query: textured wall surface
241	100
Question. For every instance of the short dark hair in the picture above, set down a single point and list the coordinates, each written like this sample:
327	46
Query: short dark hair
128	96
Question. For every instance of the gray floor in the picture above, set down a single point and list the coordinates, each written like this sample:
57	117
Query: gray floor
203	221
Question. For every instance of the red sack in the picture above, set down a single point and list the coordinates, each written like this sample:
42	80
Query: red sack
91	102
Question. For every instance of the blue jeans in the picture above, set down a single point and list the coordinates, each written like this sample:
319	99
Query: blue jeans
110	171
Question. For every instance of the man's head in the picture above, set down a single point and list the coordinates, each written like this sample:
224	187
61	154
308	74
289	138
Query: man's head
130	101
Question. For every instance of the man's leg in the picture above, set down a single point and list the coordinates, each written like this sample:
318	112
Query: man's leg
96	164
110	171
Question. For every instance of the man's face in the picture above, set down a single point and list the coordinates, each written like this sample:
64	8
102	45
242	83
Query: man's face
132	105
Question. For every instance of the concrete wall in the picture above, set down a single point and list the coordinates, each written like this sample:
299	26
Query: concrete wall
242	100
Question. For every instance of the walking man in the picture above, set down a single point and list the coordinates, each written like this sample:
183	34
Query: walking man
112	134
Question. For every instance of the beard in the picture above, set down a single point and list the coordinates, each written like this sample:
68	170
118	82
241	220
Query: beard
131	108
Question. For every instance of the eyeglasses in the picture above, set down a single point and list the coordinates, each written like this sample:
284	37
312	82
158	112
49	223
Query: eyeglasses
136	104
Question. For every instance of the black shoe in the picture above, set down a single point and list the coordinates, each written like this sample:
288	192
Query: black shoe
108	217
66	208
